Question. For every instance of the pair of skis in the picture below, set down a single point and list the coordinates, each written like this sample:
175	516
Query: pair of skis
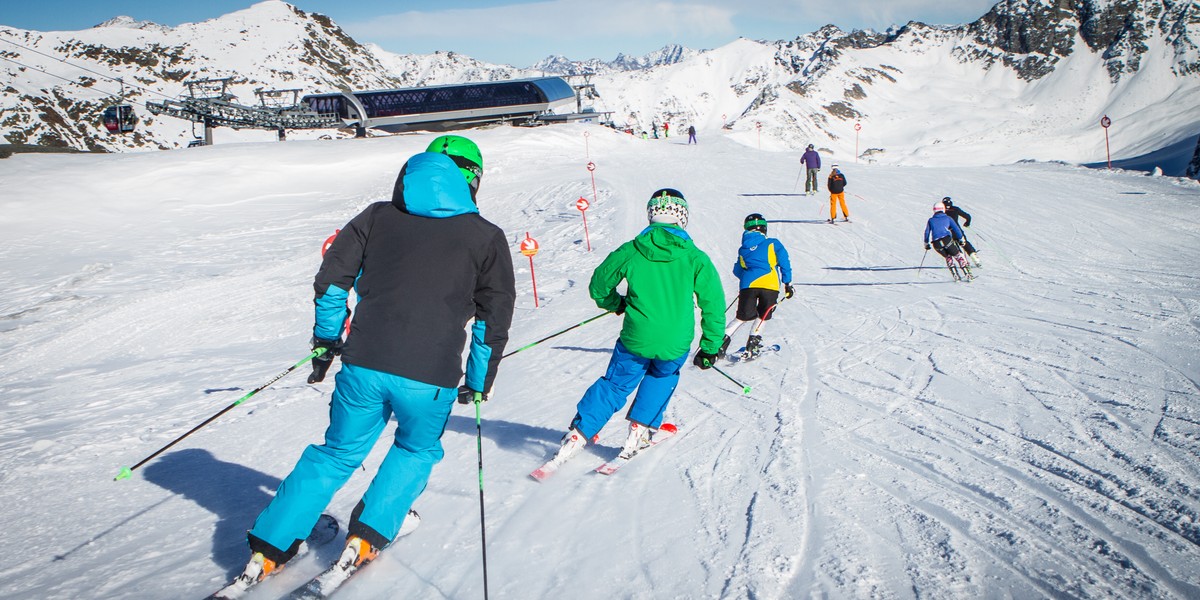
741	355
328	581
665	432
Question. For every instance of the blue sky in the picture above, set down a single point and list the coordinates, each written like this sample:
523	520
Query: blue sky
521	33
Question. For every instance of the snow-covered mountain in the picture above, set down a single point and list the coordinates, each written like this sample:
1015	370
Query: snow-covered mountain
1029	80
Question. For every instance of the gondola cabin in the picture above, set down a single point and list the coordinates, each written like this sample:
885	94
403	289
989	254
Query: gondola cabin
120	118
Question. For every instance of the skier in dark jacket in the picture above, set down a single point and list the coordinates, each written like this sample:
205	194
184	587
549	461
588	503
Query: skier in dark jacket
423	265
944	236
692	134
837	193
955	213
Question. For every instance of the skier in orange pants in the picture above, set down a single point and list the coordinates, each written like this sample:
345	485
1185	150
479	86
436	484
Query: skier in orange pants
837	194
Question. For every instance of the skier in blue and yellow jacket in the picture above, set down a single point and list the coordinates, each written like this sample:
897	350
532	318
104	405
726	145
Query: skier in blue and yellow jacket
423	266
763	270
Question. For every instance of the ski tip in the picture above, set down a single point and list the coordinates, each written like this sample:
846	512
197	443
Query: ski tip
125	473
669	427
746	389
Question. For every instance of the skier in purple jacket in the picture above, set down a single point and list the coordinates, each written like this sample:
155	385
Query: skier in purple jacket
812	162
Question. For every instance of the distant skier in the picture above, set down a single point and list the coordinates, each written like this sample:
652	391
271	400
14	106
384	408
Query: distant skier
812	162
666	277
654	130
692	134
666	130
943	235
762	269
837	193
402	360
955	212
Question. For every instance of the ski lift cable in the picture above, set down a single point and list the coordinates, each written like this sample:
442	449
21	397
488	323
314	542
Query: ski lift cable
80	67
70	81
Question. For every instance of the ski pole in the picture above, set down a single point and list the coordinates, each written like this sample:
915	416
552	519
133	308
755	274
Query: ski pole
126	472
581	323
796	185
919	271
482	519
745	388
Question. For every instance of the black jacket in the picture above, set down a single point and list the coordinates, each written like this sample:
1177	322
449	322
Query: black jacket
955	212
423	266
836	183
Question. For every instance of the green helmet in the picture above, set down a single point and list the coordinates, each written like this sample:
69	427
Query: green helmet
465	154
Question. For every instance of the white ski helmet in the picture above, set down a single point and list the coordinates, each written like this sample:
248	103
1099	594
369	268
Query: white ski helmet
668	206
939	208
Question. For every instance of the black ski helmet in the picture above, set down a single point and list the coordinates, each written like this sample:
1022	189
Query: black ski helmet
947	202
755	222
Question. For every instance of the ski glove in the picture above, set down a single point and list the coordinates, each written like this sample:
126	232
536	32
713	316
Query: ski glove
467	395
704	360
322	362
927	246
788	290
620	307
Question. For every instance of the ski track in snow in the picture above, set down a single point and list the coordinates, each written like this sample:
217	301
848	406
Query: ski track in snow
1033	433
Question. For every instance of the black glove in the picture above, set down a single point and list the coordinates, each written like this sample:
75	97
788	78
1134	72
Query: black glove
788	290
704	360
927	246
621	307
322	362
466	395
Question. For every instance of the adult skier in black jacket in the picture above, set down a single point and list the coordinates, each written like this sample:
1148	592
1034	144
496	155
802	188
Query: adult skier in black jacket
955	212
423	265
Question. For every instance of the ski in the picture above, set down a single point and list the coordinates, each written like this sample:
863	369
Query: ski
665	432
322	533
742	356
333	578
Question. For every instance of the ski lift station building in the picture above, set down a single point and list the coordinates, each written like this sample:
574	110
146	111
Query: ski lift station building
445	107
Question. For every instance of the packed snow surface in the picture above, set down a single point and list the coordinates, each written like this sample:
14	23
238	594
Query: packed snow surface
1033	433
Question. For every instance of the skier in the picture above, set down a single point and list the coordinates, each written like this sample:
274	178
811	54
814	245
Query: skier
943	235
402	357
692	134
812	162
837	193
762	269
666	130
654	129
955	212
663	270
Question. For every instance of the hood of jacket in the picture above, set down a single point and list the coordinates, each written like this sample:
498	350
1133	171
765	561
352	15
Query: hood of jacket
662	242
750	239
430	185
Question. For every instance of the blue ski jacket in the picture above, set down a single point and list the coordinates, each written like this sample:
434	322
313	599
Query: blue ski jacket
762	262
940	226
423	265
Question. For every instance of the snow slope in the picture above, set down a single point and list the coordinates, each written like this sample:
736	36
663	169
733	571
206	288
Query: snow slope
1034	433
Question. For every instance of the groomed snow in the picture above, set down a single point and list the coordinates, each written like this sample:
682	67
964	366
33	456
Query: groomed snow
1034	433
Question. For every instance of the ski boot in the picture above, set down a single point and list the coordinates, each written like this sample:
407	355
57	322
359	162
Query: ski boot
753	346
572	443
637	440
975	259
259	568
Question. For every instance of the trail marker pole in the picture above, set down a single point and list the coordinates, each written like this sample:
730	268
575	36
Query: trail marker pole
758	126
591	167
587	150
857	128
582	205
529	247
1106	122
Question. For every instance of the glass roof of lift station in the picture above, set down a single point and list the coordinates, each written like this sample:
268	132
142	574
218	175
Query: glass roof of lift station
539	94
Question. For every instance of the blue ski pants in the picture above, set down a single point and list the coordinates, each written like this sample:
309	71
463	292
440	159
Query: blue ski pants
363	401
654	380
